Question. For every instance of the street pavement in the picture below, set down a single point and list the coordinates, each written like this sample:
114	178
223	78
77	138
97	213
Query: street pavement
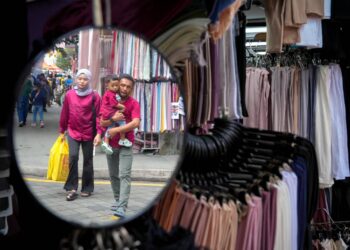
150	173
96	209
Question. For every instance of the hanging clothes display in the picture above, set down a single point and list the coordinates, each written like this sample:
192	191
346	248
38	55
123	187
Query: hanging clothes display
262	183
143	62
307	101
89	43
326	232
257	97
156	98
212	84
221	17
123	52
293	22
106	42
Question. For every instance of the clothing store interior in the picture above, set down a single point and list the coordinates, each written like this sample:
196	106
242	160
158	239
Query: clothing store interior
265	158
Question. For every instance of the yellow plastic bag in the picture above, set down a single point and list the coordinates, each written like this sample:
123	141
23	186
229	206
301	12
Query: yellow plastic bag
58	166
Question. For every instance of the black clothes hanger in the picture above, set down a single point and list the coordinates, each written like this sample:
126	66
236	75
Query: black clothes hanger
238	128
240	160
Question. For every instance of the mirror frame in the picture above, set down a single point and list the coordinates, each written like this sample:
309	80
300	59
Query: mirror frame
19	83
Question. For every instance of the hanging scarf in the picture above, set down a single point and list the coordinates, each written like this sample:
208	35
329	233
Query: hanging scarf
87	90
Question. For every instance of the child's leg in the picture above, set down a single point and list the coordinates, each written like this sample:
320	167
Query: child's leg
105	144
41	113
107	135
123	140
122	136
35	111
106	139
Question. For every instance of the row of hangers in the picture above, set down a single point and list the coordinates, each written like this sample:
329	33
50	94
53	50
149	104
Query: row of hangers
330	229
232	160
299	57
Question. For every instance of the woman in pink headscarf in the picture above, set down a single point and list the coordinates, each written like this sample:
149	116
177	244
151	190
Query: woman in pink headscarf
81	124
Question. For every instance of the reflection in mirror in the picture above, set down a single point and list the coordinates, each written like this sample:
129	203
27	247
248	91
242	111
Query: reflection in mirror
93	180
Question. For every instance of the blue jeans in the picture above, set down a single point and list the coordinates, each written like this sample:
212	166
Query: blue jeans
22	108
119	166
36	109
120	123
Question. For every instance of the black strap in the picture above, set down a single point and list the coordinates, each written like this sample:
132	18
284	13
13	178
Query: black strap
93	115
36	96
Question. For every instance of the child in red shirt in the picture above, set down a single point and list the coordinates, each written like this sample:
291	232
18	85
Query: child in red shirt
111	104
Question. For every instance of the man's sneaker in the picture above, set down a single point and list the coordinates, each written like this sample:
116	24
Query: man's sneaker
20	124
42	124
106	148
120	212
114	206
125	143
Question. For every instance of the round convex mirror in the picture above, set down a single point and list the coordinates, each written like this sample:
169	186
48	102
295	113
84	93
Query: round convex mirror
124	82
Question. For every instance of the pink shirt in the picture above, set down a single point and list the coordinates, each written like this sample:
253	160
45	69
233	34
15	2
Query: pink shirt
109	105
132	110
76	116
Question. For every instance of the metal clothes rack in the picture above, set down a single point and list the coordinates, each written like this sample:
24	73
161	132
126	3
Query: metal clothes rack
330	222
149	141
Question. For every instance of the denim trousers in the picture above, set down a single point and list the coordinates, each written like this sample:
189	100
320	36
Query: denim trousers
119	166
22	108
87	184
36	109
114	124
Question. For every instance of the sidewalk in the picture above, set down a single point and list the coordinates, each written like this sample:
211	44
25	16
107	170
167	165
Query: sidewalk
94	210
32	149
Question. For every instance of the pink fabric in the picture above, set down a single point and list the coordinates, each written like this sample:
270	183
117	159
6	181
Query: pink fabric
257	225
272	218
76	116
256	97
245	228
109	105
266	220
249	229
90	42
132	111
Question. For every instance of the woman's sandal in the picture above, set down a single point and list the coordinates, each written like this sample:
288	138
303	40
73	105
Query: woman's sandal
85	194
72	195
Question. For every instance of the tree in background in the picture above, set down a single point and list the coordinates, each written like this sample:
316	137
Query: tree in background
64	59
67	50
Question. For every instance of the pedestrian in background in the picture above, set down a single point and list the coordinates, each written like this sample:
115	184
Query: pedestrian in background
23	101
38	97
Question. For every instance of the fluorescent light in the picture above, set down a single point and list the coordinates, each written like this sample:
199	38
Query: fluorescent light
255	29
250	44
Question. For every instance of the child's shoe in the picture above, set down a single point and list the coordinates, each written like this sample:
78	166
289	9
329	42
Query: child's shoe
106	148
42	124
125	143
